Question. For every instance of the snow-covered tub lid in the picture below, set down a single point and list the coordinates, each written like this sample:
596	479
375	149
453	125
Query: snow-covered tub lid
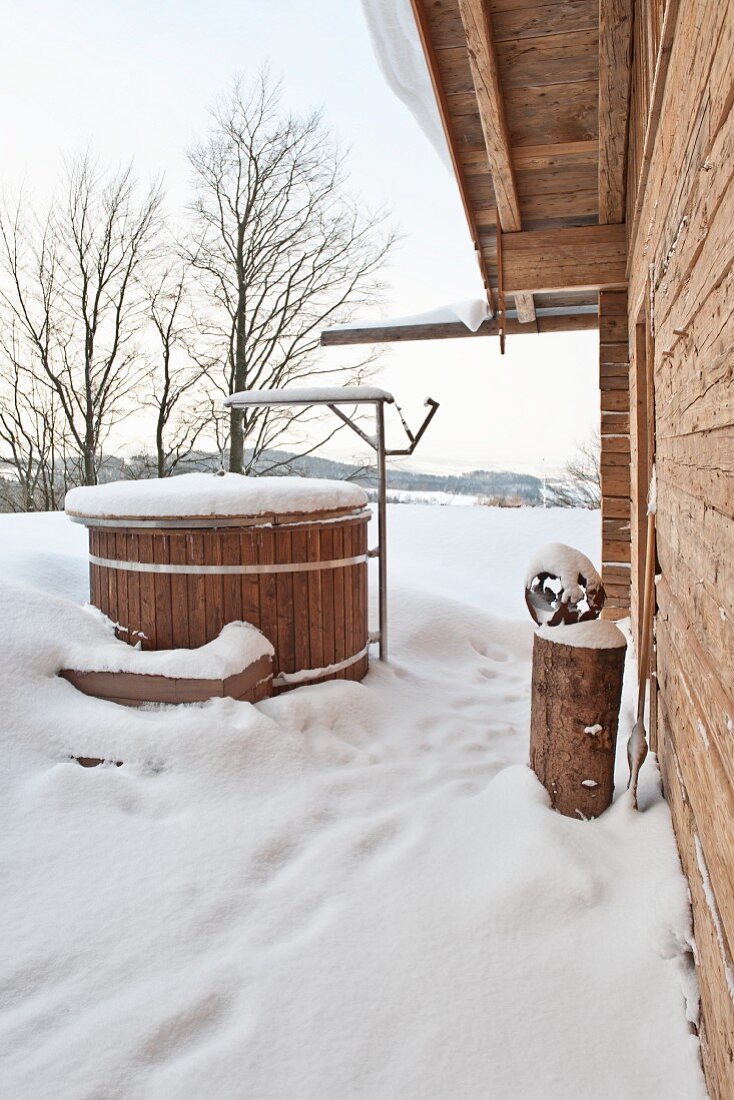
207	496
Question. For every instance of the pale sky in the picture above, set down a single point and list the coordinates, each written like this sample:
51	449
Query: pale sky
133	80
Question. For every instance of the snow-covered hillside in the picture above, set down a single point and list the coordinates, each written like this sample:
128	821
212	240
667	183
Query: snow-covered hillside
350	892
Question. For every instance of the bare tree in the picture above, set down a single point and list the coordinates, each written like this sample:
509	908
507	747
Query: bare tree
281	250
69	288
178	388
32	445
580	486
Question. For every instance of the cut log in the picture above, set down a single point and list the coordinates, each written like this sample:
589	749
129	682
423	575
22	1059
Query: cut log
577	689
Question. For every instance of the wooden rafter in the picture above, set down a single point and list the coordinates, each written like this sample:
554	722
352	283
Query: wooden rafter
615	62
485	75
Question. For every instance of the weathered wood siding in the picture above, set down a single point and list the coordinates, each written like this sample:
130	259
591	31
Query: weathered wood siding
680	209
615	452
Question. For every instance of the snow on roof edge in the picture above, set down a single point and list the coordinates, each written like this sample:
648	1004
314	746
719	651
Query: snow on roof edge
472	313
399	54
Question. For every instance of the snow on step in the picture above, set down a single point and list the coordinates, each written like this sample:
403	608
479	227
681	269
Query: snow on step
95	648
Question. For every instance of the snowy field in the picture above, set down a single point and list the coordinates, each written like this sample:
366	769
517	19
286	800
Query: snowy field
351	892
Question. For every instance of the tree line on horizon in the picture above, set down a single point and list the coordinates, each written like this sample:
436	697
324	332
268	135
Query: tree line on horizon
111	308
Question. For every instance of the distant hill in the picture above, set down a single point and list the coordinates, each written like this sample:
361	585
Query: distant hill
499	487
495	486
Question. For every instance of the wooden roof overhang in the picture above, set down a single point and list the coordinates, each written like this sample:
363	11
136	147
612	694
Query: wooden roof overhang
533	98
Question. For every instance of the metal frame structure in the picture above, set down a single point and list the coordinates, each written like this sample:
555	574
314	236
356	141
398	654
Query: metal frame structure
334	398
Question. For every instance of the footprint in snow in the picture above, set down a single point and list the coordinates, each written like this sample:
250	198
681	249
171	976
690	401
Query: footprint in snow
272	858
377	838
491	652
176	1033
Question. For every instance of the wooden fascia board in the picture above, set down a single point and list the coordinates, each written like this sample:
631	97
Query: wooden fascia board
454	330
615	72
592	257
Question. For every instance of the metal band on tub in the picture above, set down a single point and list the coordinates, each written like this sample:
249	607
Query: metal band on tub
219	570
305	674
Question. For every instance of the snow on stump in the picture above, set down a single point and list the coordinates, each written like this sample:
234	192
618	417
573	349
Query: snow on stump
174	560
576	694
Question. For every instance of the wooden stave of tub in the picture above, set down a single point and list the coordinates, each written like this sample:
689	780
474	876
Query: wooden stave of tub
315	618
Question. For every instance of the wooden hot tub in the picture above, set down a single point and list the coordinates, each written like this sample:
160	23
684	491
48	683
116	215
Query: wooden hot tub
172	561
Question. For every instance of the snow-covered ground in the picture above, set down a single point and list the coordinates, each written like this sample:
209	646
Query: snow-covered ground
351	892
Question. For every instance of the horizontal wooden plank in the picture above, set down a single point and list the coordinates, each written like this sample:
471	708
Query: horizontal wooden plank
704	244
707	779
618	443
701	464
561	209
616	507
616	574
614	353
546	156
551	59
615	458
706	681
613	401
613	303
614	370
616	591
592	257
613	381
559	113
615	423
613	329
615	550
615	527
538	20
614	614
452	330
694	390
615	482
694	553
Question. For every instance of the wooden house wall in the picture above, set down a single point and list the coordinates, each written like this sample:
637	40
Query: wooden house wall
615	452
681	335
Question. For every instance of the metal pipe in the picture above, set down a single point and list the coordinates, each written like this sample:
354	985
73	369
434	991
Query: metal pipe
382	526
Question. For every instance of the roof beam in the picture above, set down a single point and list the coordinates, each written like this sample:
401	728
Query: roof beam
615	68
485	75
452	330
591	257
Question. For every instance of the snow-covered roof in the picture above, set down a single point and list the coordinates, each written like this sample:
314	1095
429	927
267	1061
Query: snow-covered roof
309	395
205	494
472	313
399	54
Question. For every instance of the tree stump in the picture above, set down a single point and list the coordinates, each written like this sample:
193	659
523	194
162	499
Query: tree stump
577	689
